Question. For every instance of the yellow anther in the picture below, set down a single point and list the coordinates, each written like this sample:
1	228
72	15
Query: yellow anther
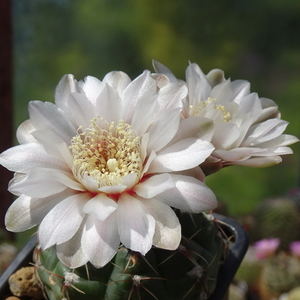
204	108
106	154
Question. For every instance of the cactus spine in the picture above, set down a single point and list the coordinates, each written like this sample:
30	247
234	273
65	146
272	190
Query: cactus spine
186	273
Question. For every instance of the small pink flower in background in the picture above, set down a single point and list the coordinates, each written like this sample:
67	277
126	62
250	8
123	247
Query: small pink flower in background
266	247
295	248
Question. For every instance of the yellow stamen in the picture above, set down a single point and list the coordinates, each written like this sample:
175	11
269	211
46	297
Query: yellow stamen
203	107
106	154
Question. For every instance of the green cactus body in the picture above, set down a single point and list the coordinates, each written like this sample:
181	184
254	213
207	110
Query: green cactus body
185	273
250	269
279	275
278	218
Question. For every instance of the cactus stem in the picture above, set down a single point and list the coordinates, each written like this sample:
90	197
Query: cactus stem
167	258
191	288
184	251
180	274
136	283
195	234
132	260
147	262
198	275
197	272
225	238
218	222
193	221
68	280
47	271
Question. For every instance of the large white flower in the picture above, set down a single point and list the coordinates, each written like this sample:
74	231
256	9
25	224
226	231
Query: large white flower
248	129
104	164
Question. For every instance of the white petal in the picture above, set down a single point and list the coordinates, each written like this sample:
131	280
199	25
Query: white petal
189	195
52	143
109	104
170	96
100	240
240	88
143	86
65	87
163	129
222	92
91	86
144	145
265	131
282	140
129	180
82	112
249	110
269	110
186	154
63	221
235	154
195	172
145	112
117	80
24	133
167	226
47	115
215	76
154	185
198	85
90	183
226	134
43	182
115	189
135	224
26	212
160	68
199	127
257	162
101	206
70	253
161	80
273	151
149	162
18	217
22	158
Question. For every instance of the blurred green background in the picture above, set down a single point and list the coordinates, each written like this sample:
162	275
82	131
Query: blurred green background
255	40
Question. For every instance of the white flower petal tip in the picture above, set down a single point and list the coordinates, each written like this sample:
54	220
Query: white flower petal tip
136	225
241	118
189	195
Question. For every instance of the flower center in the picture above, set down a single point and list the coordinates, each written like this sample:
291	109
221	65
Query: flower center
106	153
209	108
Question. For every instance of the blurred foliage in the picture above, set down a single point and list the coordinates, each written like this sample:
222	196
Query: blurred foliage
255	40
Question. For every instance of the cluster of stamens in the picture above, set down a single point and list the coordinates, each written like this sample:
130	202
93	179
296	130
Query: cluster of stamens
106	152
203	107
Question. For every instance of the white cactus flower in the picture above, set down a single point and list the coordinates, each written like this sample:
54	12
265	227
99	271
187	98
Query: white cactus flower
105	164
248	129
